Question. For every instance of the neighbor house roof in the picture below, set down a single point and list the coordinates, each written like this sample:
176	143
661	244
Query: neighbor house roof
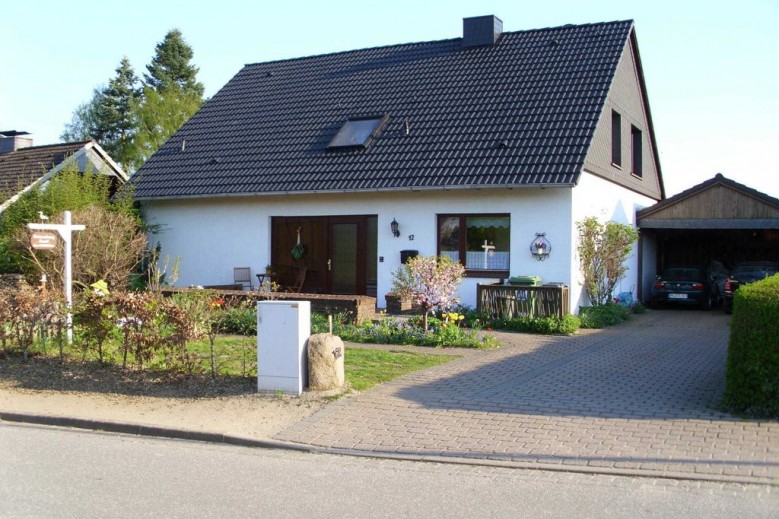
25	168
20	168
520	112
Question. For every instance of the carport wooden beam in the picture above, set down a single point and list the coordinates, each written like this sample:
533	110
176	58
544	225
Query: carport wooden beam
708	223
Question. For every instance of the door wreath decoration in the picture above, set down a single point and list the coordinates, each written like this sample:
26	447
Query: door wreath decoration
298	250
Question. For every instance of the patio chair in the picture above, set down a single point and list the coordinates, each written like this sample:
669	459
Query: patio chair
243	276
300	278
289	278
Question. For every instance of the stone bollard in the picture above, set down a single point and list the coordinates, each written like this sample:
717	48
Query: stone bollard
325	362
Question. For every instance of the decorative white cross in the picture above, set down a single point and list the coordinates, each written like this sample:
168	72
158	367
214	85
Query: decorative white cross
66	231
487	249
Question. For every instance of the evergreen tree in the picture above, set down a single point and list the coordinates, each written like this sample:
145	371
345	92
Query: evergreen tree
83	125
131	124
114	109
171	66
107	117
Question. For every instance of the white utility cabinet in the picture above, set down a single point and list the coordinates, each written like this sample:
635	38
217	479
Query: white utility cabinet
283	328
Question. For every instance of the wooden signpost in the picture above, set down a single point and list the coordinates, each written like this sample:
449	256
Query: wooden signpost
45	241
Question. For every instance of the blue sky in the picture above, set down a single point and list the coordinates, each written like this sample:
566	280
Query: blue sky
710	66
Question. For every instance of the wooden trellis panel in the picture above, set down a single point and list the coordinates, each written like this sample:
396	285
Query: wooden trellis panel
507	301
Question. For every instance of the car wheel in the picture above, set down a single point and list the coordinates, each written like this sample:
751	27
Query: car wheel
728	306
706	303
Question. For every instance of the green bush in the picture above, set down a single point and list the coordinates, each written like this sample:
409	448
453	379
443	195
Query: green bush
240	321
341	321
243	321
601	316
319	323
392	330
69	190
753	352
567	325
472	318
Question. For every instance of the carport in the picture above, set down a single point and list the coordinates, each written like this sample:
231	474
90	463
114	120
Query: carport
717	220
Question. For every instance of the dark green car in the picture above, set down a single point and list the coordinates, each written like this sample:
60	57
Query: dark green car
682	286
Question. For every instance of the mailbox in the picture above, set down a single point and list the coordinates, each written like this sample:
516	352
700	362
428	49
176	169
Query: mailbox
406	255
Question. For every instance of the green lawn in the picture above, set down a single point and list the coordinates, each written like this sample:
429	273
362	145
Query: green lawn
236	356
364	368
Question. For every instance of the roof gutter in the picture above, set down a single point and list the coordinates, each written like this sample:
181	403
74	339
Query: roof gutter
360	191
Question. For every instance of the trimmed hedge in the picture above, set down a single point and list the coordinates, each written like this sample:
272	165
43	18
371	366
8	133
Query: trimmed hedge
753	351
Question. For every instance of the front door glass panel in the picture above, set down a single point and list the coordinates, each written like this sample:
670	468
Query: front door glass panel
344	259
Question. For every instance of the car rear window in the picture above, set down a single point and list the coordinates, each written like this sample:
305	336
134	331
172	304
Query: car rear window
683	273
755	271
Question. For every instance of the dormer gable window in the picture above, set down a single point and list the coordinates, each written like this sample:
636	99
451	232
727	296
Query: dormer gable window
357	132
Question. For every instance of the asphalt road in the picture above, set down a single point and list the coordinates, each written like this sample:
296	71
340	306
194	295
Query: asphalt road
50	472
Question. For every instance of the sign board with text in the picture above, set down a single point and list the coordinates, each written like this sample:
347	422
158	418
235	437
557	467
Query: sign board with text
42	240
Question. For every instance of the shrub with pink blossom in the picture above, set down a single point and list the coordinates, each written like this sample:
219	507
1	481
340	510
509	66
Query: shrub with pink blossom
430	281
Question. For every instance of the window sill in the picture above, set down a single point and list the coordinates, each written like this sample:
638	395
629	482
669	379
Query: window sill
636	175
496	274
618	166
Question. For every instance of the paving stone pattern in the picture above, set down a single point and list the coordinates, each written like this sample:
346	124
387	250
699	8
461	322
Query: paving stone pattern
639	397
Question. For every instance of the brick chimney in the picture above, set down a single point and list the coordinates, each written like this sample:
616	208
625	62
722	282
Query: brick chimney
481	30
11	140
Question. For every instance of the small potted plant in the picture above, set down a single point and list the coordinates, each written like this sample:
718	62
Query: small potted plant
397	304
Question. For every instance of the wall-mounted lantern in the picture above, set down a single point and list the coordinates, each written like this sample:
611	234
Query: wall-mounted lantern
540	247
395	229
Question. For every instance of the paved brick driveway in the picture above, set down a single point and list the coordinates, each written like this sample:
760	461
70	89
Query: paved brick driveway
638	398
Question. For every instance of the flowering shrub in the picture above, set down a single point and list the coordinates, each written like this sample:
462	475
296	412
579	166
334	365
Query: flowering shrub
430	281
387	331
393	330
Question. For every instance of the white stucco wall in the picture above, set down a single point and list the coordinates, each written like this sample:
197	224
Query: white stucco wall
607	201
649	263
211	236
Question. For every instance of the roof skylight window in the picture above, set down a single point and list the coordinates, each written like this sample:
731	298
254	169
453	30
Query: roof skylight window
358	132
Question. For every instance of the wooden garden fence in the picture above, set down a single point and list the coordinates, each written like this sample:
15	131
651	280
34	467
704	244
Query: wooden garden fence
507	301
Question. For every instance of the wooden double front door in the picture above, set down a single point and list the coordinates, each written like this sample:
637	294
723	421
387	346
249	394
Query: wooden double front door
339	252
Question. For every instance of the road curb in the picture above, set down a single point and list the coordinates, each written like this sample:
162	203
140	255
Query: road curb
147	430
241	441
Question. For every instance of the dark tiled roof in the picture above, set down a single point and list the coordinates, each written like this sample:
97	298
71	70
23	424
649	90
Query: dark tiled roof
20	168
520	112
